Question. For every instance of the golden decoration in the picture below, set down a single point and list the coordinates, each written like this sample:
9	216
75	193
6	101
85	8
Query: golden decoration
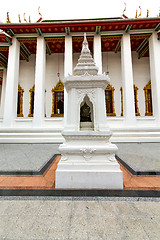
58	88
147	13
148	99
136	100
31	104
121	101
19	18
8	19
20	104
29	19
110	108
136	13
124	7
24	16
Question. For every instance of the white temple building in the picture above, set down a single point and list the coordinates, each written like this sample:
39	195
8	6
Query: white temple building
36	57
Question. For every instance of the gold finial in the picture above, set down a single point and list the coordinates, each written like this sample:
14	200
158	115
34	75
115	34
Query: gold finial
29	19
19	18
140	11
124	7
136	13
147	13
24	17
39	12
8	20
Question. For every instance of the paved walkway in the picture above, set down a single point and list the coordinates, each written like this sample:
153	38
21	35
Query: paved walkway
30	157
79	218
20	166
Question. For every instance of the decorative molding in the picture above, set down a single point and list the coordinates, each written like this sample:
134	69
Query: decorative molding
121	101
148	99
111	89
87	152
31	104
58	88
136	100
20	104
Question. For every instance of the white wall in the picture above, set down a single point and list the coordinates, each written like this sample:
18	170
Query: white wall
52	78
114	68
26	81
141	76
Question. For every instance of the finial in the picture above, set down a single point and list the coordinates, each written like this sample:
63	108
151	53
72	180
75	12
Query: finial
8	20
85	43
29	19
147	13
140	11
136	13
58	74
39	12
124	7
24	17
19	18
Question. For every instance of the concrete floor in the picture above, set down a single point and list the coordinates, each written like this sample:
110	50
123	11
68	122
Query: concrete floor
79	218
140	156
31	157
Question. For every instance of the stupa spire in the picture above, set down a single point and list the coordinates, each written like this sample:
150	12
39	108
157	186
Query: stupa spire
86	64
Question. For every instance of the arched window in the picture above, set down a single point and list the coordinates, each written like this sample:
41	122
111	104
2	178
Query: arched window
20	102
109	96
31	105
136	101
58	100
148	99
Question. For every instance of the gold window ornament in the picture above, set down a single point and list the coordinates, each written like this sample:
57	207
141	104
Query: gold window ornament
58	100
121	101
148	99
20	101
136	100
31	104
109	97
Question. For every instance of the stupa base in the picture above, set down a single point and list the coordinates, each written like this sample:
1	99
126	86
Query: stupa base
88	176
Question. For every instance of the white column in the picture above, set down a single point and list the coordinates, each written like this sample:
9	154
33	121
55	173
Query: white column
3	92
154	57
127	81
98	52
68	67
10	105
68	56
40	71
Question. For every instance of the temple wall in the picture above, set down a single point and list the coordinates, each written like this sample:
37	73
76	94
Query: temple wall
114	68
27	78
52	78
141	76
26	81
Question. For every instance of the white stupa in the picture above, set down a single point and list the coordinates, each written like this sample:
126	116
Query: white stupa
88	157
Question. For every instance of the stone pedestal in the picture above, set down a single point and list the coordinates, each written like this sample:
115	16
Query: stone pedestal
88	162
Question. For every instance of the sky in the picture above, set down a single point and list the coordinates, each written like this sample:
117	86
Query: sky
73	9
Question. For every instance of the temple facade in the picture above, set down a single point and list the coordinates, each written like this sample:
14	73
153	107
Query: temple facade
36	57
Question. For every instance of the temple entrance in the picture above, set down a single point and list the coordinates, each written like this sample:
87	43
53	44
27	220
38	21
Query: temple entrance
86	115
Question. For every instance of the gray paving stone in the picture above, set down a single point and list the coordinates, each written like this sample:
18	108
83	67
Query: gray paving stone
78	228
25	157
133	228
140	156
